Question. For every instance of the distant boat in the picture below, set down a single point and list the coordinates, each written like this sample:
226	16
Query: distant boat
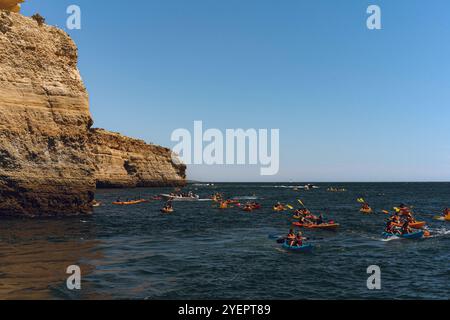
169	197
310	187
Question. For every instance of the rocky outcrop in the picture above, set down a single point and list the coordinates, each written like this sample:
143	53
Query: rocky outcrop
50	159
125	162
44	122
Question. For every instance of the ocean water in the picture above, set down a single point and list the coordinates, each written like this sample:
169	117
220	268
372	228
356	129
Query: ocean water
201	252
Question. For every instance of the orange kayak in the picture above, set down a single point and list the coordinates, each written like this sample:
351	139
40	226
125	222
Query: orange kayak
129	203
366	211
415	225
317	226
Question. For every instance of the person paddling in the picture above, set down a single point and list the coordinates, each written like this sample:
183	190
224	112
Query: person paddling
405	228
319	220
299	239
390	228
291	237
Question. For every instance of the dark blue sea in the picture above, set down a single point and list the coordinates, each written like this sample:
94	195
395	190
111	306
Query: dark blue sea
201	252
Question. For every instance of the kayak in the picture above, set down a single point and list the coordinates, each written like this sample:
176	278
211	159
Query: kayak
415	225
329	226
413	235
303	248
366	211
96	203
279	209
440	218
129	203
164	210
248	209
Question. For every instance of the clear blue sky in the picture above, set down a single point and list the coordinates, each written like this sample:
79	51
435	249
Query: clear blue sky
351	104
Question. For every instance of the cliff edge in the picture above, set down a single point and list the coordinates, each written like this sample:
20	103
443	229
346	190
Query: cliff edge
50	159
120	161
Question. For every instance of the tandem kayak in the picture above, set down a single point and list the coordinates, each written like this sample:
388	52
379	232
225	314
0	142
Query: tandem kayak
303	248
415	225
414	235
329	226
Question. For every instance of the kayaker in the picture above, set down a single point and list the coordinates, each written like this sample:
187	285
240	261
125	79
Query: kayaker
405	228
446	212
410	219
404	210
319	220
299	239
390	228
302	219
291	237
395	218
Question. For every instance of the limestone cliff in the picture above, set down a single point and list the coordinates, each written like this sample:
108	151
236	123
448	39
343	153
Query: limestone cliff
44	122
125	162
47	166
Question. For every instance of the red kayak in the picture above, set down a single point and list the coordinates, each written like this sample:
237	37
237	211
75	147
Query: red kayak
317	226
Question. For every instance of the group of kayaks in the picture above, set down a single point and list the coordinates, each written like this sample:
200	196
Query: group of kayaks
402	224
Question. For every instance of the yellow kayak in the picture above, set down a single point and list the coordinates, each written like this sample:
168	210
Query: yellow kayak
129	203
441	218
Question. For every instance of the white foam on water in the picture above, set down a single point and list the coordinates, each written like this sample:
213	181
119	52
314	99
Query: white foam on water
390	238
438	232
245	198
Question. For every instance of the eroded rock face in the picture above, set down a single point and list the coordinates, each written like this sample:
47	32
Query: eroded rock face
125	162
50	159
44	122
